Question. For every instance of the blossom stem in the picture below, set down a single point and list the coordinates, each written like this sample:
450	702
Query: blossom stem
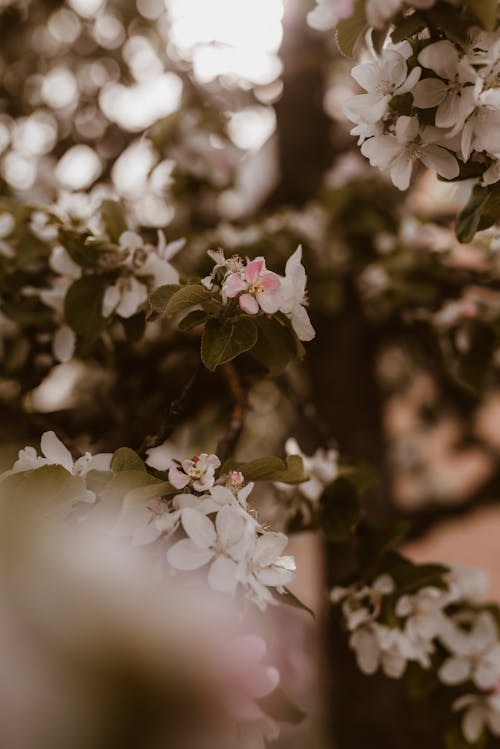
229	440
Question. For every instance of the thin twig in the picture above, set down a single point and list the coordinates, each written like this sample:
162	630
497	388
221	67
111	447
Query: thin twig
229	440
171	418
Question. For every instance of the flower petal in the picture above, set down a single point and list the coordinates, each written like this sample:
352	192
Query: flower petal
186	556
249	304
199	528
177	478
254	269
55	452
222	575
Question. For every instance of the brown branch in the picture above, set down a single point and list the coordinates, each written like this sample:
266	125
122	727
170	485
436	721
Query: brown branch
227	443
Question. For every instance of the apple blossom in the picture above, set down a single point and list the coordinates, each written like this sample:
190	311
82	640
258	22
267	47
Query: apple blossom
199	471
397	153
256	288
480	711
382	79
474	651
454	92
322	469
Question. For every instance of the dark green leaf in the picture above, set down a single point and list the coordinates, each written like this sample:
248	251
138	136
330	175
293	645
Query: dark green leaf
113	219
468	221
159	299
223	341
276	344
126	459
83	307
261	469
192	320
293	472
187	296
350	29
407	26
290	599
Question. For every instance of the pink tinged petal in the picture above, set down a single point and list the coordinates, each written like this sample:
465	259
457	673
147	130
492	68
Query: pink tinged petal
249	304
429	93
63	346
253	270
178	479
199	528
410	82
401	170
270	281
442	58
234	285
222	575
55	452
438	158
269	301
186	556
454	671
213	460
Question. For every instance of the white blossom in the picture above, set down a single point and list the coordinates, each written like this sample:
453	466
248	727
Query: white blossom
480	711
397	153
474	651
382	79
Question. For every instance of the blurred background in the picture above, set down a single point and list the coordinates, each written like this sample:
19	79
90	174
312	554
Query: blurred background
221	121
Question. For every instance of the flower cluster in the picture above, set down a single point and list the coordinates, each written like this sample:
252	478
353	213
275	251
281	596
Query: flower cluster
257	289
215	529
439	627
328	13
437	103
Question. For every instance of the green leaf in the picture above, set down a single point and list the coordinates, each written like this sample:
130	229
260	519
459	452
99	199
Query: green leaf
192	320
378	39
186	297
125	482
126	459
83	307
340	510
447	19
151	491
159	299
293	472
261	469
223	341
411	577
276	344
485	11
35	494
113	219
407	26
290	599
74	242
469	220
350	29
